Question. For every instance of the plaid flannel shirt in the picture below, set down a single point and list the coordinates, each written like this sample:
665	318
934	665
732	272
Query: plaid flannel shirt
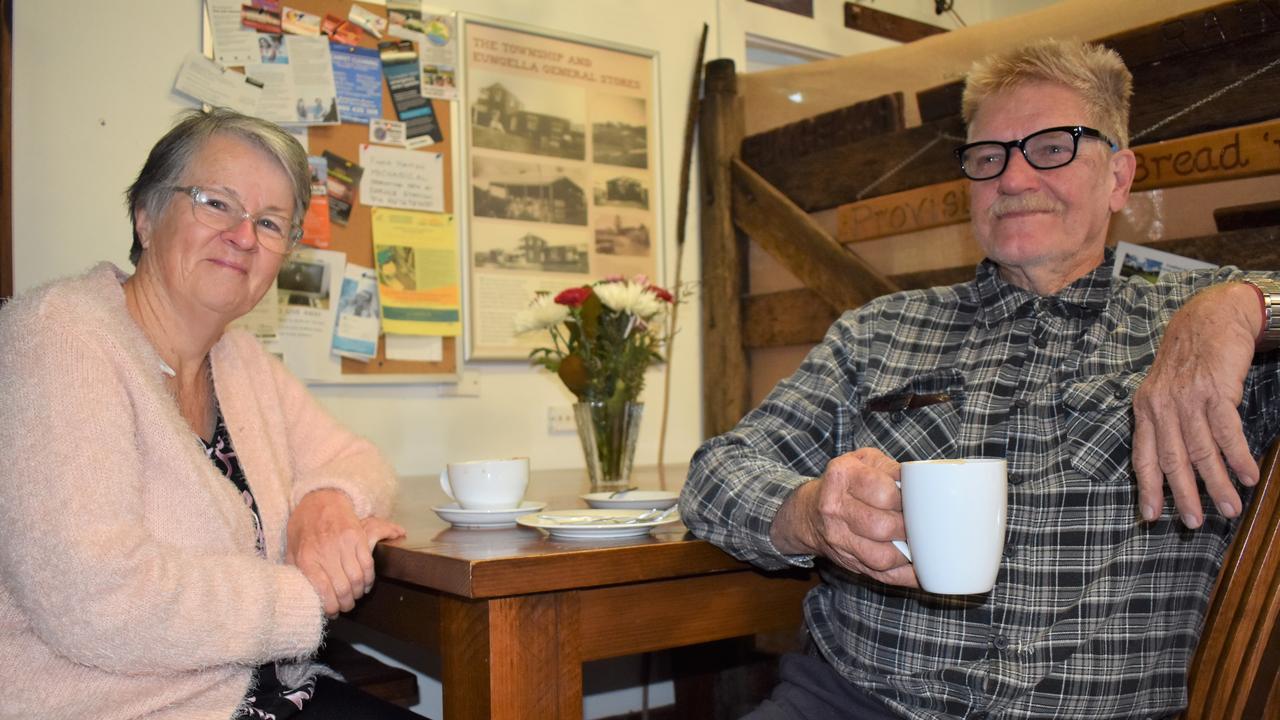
1095	613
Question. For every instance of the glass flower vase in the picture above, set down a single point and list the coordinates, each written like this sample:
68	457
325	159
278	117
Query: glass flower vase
608	431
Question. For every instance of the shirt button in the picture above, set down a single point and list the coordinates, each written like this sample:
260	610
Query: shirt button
1120	393
1010	551
1021	403
1001	643
1042	341
897	416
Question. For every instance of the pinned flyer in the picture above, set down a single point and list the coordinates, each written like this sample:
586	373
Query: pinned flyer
357	75
400	178
211	83
386	132
371	22
315	224
297	22
355	332
418	279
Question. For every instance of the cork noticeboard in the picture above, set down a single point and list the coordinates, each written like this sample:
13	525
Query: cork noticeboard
355	238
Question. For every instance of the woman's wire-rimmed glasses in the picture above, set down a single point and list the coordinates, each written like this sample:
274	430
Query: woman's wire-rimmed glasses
1044	150
221	211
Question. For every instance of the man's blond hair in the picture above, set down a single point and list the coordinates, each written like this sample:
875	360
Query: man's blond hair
1096	73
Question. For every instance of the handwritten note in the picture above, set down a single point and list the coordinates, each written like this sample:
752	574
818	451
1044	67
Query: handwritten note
402	179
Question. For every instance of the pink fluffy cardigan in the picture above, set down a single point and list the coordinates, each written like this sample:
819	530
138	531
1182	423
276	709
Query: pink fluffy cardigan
130	586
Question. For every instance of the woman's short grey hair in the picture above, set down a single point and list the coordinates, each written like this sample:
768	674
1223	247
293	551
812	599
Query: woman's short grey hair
171	156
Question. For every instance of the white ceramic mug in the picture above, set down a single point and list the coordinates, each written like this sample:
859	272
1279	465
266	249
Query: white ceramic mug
955	514
486	484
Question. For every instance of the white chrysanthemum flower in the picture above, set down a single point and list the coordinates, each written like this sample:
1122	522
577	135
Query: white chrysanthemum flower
617	296
648	306
543	313
629	297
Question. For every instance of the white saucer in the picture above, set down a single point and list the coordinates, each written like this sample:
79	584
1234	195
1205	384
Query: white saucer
464	518
593	524
633	499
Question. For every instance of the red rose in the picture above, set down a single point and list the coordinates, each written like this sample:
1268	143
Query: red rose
573	297
662	294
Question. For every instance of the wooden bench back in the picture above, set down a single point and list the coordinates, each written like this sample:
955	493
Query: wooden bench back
1235	674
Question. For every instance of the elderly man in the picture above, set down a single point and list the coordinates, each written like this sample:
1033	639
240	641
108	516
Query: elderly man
1097	392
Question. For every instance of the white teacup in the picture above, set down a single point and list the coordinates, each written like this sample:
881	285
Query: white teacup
955	514
486	484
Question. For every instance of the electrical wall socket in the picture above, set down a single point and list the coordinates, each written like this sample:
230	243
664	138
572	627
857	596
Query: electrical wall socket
560	420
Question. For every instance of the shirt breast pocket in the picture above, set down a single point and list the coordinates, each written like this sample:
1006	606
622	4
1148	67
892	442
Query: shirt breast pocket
1099	425
914	420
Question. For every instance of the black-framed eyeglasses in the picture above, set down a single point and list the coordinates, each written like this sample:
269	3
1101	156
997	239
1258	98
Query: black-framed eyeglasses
1044	150
216	209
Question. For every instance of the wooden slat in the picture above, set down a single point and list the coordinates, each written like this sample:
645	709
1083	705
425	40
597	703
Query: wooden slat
790	317
770	315
726	378
907	211
839	277
1241	217
1233	153
1198	31
769	151
887	25
871	166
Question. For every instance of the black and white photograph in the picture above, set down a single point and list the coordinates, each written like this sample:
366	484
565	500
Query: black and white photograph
540	193
532	249
619	130
615	189
529	116
619	233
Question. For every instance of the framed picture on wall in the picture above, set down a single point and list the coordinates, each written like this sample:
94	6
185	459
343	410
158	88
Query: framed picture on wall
559	173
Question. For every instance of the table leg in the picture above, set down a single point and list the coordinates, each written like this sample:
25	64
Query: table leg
513	657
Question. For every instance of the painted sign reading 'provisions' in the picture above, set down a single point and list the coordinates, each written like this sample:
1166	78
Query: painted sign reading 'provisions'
1220	155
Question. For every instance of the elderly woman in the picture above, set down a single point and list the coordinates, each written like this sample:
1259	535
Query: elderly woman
179	515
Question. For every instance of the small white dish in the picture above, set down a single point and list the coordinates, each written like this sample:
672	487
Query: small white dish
632	499
463	518
595	523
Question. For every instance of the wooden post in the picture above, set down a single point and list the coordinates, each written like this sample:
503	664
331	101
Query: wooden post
726	388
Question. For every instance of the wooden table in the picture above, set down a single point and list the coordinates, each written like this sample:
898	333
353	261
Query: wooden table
514	614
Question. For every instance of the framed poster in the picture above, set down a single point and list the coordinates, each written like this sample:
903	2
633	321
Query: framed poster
559	173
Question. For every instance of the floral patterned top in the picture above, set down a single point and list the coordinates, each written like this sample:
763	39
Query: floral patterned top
269	699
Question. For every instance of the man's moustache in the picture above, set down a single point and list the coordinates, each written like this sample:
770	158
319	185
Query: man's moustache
1023	203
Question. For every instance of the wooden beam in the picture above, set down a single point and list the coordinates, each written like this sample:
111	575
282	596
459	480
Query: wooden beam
887	25
871	166
794	317
1230	154
839	277
1240	217
790	317
1204	33
726	389
818	134
1179	62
